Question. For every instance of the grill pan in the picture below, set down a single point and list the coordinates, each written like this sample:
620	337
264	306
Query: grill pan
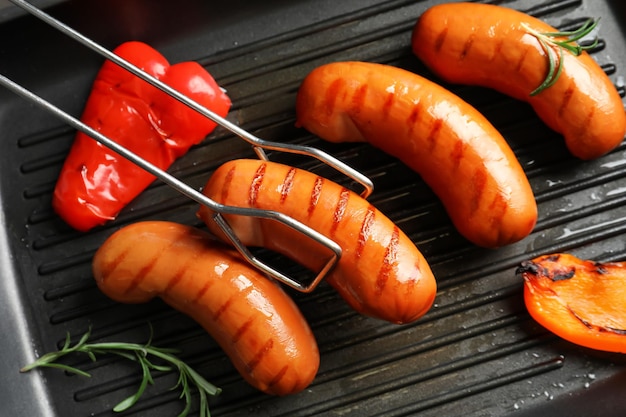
477	352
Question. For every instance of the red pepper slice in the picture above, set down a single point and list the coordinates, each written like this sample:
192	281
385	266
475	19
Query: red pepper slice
95	183
581	301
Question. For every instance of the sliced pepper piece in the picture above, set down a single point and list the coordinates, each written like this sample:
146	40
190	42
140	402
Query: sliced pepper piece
579	300
95	183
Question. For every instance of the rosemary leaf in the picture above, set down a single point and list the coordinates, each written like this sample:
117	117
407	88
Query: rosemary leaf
565	40
64	367
187	396
132	400
204	405
68	341
82	341
188	378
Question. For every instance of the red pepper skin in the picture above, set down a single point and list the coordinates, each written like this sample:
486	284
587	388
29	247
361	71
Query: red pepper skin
95	183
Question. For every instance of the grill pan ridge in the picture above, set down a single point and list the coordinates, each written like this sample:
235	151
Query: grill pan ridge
477	352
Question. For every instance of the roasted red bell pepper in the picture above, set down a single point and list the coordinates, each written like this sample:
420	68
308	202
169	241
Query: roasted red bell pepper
581	301
96	183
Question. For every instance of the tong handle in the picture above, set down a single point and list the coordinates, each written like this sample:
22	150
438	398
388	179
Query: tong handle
258	143
190	192
259	146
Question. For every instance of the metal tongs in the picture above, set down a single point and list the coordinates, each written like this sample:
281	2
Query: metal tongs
259	146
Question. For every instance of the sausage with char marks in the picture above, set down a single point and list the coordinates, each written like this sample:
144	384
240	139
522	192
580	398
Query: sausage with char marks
252	318
381	273
488	45
456	151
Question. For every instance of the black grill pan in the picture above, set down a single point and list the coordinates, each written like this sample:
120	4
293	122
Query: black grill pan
476	353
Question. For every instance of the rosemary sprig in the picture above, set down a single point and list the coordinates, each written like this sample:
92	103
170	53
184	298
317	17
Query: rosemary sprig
188	378
560	41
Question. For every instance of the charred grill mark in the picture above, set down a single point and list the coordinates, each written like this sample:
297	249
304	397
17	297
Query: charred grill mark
553	273
590	115
413	117
287	185
478	183
388	104
176	278
227	181
391	255
340	209
563	274
255	184
358	98
315	195
364	233
181	272
530	267
498	208
599	329
621	332
279	375
143	272
148	266
441	38
247	325
467	46
110	267
434	133
458	151
580	319
207	284
567	97
332	93
224	307
600	268
260	354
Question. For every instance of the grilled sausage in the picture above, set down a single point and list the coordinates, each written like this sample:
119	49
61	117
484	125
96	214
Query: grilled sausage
487	45
381	273
457	152
253	319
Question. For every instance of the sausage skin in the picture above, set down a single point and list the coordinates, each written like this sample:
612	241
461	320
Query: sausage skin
254	321
487	45
380	273
456	151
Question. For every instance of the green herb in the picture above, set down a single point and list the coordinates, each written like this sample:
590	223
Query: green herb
187	377
560	41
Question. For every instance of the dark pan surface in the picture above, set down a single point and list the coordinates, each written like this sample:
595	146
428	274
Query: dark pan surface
476	353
